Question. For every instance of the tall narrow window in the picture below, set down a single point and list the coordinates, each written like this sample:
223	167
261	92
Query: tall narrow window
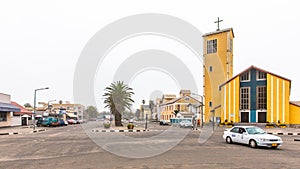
212	46
245	98
210	68
261	97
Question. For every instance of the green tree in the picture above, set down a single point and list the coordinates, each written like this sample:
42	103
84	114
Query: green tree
27	105
117	98
91	112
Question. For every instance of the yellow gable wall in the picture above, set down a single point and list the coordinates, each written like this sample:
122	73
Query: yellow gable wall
230	101
294	114
278	96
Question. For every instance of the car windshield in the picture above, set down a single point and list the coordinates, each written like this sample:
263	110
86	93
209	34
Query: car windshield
255	130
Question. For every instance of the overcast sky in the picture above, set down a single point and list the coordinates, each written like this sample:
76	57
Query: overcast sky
41	41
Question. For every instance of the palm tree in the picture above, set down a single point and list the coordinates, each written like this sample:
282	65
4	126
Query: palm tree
118	98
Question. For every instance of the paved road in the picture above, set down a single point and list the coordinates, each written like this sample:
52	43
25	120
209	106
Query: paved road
70	147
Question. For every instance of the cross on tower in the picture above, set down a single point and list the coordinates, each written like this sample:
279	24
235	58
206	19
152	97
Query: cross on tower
218	21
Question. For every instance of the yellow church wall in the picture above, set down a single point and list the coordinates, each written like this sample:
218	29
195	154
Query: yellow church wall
278	95
294	114
230	100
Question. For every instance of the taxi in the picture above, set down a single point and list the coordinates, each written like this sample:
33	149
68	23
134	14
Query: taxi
251	135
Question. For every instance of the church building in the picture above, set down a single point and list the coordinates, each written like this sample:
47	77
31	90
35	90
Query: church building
252	96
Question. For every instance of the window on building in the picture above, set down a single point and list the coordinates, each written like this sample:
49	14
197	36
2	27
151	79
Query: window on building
245	98
210	104
261	97
210	68
212	46
261	75
245	77
3	116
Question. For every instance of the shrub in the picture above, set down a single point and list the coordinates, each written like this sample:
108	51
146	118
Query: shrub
106	125
130	126
270	124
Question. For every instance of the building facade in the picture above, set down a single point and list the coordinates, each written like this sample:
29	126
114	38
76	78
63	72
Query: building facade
257	96
6	111
180	106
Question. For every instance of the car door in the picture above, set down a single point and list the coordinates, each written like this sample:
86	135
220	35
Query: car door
234	133
243	136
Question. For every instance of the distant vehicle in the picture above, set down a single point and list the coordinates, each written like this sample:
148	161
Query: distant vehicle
39	122
186	123
163	123
72	121
62	122
251	135
47	121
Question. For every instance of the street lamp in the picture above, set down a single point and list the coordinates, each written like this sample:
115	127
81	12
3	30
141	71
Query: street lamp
34	105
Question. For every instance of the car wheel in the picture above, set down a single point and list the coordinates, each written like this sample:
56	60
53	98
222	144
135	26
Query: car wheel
228	140
252	143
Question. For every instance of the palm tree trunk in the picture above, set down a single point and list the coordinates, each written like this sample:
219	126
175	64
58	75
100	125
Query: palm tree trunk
118	119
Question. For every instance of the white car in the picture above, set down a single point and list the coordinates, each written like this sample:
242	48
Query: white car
186	123
251	135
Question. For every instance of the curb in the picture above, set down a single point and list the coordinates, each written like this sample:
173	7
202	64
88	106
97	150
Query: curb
116	131
14	133
289	134
35	131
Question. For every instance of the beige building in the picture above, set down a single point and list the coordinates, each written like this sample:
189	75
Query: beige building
182	105
66	109
6	111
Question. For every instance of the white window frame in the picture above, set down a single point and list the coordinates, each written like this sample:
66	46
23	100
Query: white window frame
249	77
257	76
212	46
241	98
257	98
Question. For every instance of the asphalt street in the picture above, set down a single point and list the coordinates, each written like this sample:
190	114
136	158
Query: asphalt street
70	147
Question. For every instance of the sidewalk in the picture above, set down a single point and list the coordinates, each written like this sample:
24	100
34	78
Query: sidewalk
283	131
19	130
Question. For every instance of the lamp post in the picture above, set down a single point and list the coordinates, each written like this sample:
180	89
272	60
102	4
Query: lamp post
34	105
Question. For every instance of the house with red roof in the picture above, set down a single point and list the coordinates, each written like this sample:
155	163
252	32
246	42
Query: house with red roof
23	117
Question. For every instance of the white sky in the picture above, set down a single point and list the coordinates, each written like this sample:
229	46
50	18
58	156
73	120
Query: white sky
42	40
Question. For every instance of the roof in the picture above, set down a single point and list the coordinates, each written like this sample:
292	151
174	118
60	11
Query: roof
250	68
185	91
7	107
295	103
176	99
22	109
220	31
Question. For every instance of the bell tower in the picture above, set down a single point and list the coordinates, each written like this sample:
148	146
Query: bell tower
217	67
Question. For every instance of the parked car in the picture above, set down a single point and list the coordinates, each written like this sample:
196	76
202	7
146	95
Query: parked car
186	123
39	122
251	135
163	122
47	121
55	123
72	121
62	122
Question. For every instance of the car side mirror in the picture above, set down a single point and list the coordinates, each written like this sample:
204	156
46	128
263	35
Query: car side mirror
245	133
